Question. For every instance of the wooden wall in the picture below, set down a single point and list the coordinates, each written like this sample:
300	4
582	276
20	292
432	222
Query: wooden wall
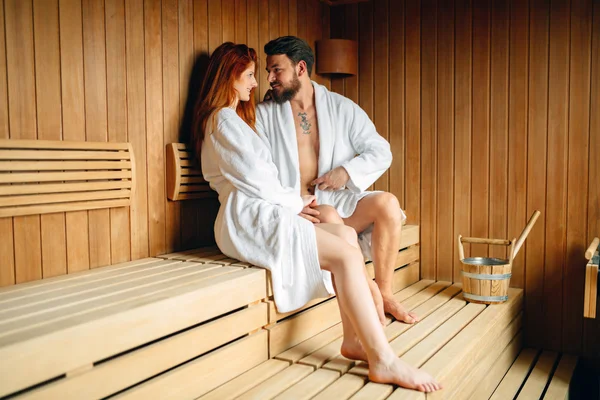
492	108
120	70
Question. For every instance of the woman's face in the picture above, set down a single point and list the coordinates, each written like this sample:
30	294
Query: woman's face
245	83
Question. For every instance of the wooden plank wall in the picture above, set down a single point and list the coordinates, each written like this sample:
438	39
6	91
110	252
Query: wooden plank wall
492	109
121	70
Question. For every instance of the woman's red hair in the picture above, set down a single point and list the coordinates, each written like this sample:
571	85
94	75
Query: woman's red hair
226	65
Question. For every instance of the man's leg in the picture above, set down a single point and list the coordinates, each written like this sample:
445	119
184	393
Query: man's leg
383	211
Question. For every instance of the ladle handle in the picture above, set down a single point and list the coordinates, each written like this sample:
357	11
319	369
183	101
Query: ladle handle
589	253
461	240
525	232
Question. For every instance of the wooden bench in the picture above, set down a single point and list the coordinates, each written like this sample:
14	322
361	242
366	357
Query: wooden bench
46	176
96	333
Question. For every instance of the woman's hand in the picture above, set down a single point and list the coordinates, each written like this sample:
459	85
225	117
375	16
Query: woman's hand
308	212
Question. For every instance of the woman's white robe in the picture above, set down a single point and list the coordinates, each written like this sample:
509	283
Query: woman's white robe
347	138
258	218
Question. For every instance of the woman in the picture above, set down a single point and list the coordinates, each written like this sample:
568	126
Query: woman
258	220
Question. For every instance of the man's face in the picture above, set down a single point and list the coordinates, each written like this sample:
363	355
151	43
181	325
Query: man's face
283	78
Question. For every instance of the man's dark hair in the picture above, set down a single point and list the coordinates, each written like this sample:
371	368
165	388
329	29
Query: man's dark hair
295	48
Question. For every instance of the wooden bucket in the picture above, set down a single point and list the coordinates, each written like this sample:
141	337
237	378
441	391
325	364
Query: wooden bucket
486	279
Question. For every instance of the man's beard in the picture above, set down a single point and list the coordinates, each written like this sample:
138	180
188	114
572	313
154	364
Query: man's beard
287	93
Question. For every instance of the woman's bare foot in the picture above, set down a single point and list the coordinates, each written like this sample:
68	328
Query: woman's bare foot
397	310
400	373
353	349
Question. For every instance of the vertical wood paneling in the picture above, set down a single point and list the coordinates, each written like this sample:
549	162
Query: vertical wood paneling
253	24
556	197
445	142
4	131
284	17
94	50
48	88
170	78
73	121
338	22
381	68
462	126
301	19
7	266
413	113
201	26
116	80
293	17
536	162
428	137
365	58
592	327
263	38
517	129
499	126
228	20
397	100
481	126
577	189
273	19
351	32
23	124
215	25
154	127
136	124
241	16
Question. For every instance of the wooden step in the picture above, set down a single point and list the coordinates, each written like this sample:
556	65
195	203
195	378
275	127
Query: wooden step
537	374
460	342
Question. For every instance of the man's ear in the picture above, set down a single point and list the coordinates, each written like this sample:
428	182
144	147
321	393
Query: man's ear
302	69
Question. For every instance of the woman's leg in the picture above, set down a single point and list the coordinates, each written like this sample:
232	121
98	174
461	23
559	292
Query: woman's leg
346	263
330	221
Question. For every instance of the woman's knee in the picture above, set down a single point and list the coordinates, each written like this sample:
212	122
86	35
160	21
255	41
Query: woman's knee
329	215
350	260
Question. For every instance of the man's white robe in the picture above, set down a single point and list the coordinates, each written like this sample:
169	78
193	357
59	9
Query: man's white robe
258	219
347	138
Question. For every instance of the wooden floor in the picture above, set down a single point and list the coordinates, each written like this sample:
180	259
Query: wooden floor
456	341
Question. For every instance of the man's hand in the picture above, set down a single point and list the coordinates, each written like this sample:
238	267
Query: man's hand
333	180
309	212
268	95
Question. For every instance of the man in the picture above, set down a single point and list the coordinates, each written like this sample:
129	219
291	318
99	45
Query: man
324	144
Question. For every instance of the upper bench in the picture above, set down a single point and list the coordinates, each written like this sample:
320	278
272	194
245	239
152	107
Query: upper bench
48	176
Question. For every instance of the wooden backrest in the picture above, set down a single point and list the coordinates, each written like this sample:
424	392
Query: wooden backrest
184	178
47	176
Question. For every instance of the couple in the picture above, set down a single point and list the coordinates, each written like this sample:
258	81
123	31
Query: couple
268	189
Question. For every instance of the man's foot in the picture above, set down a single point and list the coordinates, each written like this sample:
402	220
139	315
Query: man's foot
397	310
353	349
400	373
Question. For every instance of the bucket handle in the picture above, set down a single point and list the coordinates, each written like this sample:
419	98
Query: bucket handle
526	231
461	240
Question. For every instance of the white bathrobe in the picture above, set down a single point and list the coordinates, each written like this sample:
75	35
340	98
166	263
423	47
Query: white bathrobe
347	138
258	219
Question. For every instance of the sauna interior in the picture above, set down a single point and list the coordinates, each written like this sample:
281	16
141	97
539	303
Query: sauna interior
111	284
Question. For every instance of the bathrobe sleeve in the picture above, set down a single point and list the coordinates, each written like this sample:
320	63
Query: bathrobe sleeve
248	171
374	155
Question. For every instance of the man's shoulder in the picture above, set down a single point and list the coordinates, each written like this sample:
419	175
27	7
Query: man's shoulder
338	99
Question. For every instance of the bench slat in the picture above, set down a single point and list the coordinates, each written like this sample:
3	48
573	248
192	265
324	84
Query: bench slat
62	165
55	198
61	145
310	386
277	383
373	391
61	154
343	388
514	378
63	187
538	379
125	371
24	177
205	373
559	385
66	344
62	207
246	381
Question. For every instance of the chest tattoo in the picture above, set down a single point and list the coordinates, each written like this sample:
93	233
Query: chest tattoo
304	124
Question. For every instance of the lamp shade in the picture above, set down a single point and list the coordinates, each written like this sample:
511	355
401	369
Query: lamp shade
337	56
